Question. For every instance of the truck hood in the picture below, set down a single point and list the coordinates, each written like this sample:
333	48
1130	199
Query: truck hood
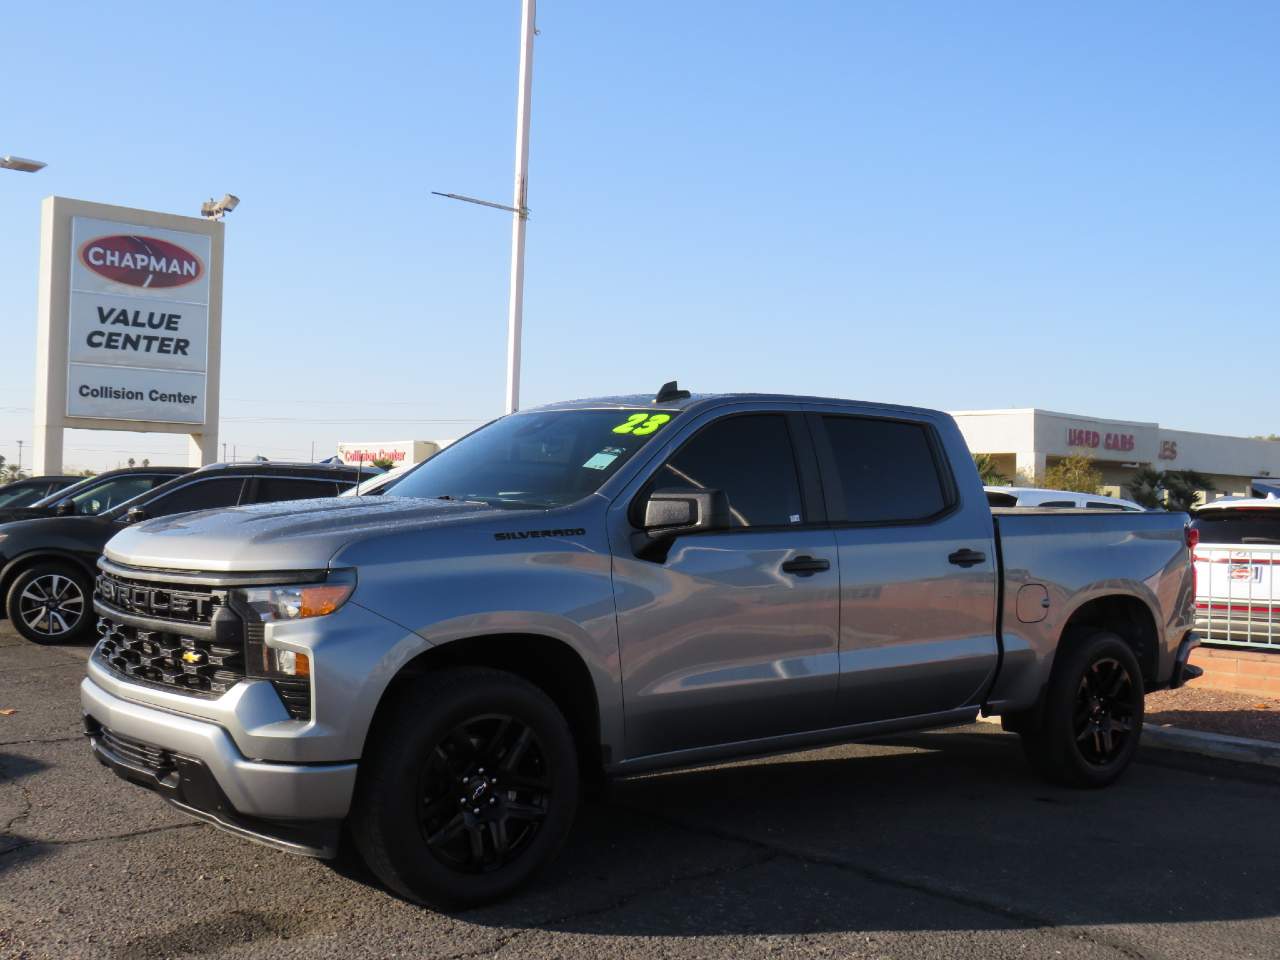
293	535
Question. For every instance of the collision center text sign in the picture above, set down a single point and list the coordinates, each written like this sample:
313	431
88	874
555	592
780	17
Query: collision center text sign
139	322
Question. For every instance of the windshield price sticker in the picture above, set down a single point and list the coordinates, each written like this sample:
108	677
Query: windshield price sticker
642	424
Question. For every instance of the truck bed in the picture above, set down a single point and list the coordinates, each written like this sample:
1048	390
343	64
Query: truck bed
1055	561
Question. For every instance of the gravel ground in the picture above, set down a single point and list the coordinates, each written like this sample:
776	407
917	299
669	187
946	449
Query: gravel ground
1216	711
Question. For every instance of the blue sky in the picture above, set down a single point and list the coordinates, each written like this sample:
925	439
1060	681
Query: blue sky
952	205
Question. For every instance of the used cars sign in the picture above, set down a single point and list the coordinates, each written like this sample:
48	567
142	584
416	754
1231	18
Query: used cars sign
140	261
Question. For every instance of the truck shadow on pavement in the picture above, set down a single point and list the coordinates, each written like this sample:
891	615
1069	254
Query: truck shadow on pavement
934	831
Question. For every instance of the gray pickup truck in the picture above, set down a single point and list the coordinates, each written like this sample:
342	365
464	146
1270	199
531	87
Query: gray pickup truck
599	588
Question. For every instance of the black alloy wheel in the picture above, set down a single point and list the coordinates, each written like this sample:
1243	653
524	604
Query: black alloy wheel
468	787
1105	710
485	793
1087	728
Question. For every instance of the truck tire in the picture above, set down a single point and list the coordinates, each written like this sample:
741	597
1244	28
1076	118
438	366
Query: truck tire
51	603
1091	720
468	788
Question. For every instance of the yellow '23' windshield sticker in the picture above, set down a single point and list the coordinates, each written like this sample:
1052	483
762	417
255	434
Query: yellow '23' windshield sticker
642	424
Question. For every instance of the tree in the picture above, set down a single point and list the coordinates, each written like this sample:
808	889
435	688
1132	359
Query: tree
10	472
988	471
383	463
1075	473
132	462
1267	436
146	463
1147	488
1182	488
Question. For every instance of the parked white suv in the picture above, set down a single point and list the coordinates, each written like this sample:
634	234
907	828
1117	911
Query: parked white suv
1237	589
1060	499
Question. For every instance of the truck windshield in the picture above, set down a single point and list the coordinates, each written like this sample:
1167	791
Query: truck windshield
535	460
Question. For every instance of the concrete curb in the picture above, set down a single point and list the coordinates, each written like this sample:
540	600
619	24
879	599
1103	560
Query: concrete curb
1218	745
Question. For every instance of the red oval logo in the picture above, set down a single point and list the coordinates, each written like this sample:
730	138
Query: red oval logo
141	261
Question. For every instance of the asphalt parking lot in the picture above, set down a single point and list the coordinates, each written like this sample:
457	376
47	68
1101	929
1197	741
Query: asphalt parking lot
937	845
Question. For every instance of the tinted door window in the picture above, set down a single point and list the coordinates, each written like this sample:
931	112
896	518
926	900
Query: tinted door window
751	460
1056	505
1102	505
272	489
199	495
21	495
886	470
111	494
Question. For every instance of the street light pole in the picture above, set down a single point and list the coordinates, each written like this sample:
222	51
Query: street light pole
515	311
519	208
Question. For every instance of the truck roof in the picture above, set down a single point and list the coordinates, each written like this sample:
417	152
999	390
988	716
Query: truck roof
701	401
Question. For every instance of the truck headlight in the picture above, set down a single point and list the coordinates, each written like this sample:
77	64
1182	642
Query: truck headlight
298	601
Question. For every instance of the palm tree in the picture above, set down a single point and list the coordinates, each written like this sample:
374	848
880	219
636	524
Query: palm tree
988	471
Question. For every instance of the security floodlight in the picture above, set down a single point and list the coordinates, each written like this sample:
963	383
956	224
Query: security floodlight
21	163
216	209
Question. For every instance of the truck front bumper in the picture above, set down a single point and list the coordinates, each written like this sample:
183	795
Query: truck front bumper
195	765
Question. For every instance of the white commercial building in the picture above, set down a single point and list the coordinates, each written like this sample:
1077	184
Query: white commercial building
1025	442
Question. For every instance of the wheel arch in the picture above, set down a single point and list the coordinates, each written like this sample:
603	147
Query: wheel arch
25	561
550	664
1125	615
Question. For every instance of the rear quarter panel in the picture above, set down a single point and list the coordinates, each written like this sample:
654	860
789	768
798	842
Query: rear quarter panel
1078	557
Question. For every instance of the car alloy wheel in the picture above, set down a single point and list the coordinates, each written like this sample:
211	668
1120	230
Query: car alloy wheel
51	605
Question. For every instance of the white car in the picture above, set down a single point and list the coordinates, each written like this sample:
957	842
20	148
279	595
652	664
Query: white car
1236	562
1059	499
378	484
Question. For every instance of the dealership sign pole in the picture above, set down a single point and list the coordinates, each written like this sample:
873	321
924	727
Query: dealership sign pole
130	321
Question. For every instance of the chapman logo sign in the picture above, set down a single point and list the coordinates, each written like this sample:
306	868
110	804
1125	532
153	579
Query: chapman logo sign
129	315
139	261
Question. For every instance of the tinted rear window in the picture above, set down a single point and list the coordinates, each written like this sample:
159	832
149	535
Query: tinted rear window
1238	526
886	469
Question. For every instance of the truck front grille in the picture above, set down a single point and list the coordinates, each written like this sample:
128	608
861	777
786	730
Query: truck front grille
179	604
169	659
184	638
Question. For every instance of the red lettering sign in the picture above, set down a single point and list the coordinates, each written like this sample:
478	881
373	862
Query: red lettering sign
141	261
1083	438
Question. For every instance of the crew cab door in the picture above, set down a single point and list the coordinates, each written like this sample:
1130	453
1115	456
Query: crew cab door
917	567
731	634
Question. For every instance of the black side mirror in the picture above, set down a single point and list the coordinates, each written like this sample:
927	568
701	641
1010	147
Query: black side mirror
65	508
671	513
135	515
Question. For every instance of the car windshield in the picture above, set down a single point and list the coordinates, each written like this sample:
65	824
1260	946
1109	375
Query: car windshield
57	495
535	460
19	496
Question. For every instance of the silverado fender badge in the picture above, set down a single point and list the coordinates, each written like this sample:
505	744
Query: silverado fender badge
532	534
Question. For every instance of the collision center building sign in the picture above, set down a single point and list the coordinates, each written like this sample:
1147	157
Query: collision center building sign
138	333
129	325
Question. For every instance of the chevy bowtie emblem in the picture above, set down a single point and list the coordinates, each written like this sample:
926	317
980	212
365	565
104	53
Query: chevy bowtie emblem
192	656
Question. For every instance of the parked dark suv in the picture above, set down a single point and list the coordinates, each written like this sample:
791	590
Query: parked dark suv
48	564
96	494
